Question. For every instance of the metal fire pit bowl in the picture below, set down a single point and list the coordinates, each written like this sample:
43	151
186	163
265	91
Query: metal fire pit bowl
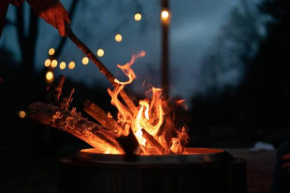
200	170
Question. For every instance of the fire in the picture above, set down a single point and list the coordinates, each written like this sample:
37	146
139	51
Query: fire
151	124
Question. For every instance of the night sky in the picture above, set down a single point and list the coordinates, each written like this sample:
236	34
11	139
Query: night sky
194	26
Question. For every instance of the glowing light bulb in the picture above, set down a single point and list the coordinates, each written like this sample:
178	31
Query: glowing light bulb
72	65
100	52
22	114
62	65
165	16
51	51
118	38
85	60
54	63
49	76
47	63
138	17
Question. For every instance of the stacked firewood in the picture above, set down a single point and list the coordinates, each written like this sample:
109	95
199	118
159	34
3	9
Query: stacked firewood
106	136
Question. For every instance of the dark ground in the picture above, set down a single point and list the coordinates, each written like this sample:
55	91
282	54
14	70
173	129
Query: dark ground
260	168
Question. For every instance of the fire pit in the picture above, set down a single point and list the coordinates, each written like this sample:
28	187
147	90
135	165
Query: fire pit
199	170
143	149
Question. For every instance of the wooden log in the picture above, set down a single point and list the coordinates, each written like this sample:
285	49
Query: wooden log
101	116
130	145
101	67
72	122
153	142
183	139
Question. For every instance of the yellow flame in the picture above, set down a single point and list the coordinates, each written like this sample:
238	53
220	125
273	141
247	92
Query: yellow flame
145	104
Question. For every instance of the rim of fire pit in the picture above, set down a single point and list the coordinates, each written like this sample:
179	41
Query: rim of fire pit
193	156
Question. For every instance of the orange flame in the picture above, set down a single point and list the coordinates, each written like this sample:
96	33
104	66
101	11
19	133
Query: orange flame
126	68
150	115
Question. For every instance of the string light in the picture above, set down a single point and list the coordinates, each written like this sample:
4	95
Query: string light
100	52
49	76
85	60
72	65
22	114
47	63
62	65
51	51
118	38
138	17
54	63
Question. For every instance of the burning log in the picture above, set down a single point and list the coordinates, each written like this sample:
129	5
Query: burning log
72	122
130	145
98	114
101	67
155	144
183	139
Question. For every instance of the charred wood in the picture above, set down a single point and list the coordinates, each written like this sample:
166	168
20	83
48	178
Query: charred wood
154	143
101	116
73	123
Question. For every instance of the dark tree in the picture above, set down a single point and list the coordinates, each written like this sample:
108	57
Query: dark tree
266	89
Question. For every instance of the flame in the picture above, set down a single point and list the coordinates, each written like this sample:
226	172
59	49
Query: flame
150	117
181	103
126	68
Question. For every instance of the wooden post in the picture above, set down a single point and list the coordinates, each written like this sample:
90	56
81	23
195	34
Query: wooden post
165	72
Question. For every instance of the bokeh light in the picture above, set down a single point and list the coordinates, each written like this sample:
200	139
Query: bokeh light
165	16
118	37
51	51
22	114
62	65
72	65
138	17
100	52
47	63
54	63
49	76
85	60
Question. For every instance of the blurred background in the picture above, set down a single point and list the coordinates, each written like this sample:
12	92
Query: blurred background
228	59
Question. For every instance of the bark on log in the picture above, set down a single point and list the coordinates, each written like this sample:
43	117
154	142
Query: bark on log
72	122
99	115
156	145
